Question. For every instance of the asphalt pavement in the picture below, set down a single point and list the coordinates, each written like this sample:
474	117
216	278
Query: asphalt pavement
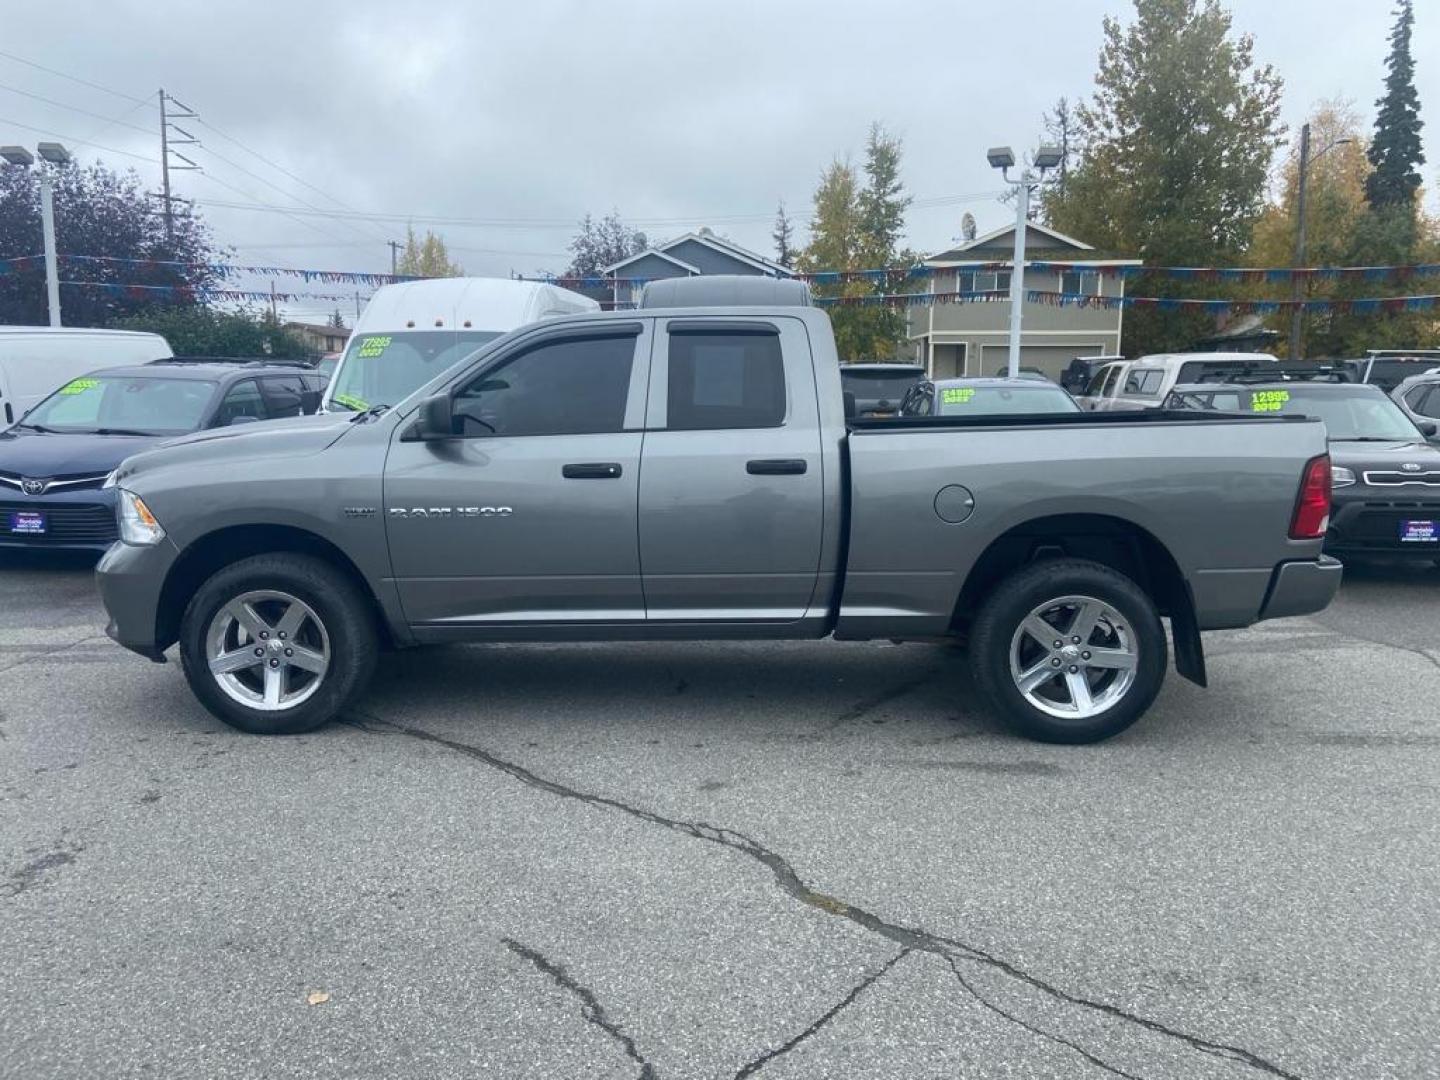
723	860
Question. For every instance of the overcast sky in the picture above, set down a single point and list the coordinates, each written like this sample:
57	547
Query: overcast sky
519	117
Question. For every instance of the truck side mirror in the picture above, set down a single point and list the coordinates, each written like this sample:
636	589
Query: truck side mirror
1427	428
436	419
310	401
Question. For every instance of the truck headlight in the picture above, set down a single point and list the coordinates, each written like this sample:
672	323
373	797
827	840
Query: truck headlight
137	524
1341	476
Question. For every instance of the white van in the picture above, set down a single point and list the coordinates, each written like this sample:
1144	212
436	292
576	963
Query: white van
35	361
411	332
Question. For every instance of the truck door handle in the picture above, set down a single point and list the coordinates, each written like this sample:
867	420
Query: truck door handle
592	470
776	467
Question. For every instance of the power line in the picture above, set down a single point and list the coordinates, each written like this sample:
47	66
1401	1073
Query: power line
75	78
76	139
75	108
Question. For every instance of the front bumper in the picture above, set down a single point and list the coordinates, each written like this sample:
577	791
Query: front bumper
1366	521
131	580
1302	588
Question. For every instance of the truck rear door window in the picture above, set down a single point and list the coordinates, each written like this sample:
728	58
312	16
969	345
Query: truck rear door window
725	380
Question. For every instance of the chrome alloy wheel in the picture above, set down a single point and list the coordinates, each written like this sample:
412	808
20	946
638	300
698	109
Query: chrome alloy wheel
267	650
1073	657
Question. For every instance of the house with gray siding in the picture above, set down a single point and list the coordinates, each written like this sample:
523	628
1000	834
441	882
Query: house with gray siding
960	339
695	253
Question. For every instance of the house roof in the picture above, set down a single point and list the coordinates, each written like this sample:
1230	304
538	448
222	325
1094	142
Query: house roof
710	240
957	254
650	252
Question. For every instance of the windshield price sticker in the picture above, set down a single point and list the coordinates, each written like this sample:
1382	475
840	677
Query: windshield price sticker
372	346
79	386
957	396
350	400
1269	400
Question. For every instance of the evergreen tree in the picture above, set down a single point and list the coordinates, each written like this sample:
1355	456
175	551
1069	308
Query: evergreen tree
882	202
784	236
1395	150
337	320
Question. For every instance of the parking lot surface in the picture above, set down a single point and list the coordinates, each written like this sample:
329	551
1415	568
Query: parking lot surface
722	860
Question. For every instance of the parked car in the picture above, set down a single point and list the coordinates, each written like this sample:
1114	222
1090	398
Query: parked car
1419	397
54	463
1385	475
34	360
986	397
879	388
1081	369
697	479
411	332
1023	373
1144	383
1388	368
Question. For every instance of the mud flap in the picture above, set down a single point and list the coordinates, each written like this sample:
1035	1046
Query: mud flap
1185	634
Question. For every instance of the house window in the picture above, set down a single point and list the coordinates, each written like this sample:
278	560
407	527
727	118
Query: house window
985	281
1080	283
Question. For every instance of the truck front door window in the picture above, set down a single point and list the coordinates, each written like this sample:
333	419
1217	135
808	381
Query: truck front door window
576	386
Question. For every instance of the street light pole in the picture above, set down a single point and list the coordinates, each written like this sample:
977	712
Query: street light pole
1017	276
1297	315
52	263
1003	158
1302	190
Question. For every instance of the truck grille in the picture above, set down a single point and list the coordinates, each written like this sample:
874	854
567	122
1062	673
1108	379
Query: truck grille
65	523
1429	478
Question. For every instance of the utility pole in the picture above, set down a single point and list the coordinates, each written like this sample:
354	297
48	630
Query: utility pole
357	305
395	246
167	143
273	317
1003	158
1297	286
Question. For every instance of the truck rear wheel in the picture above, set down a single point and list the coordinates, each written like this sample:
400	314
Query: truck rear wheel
277	644
1069	651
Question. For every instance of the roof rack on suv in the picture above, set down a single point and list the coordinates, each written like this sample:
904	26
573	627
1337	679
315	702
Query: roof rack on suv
1278	373
239	361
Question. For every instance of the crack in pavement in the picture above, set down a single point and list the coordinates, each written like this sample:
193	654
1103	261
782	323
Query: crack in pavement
1412	649
590	1007
750	1068
909	938
1012	1018
50	652
875	701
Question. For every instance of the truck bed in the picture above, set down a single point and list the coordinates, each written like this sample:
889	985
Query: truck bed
1213	492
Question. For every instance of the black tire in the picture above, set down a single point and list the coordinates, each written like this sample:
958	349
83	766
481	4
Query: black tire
999	620
343	612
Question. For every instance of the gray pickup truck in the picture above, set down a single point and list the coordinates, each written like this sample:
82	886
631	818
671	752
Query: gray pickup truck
690	473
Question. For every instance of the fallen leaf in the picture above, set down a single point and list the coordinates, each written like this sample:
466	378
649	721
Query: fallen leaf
318	997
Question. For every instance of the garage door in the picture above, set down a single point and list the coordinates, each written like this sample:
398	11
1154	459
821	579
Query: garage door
1051	359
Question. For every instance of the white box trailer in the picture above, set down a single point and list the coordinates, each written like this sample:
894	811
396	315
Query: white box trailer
35	361
413	331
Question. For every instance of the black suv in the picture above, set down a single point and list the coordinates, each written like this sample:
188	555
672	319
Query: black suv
54	462
1384	473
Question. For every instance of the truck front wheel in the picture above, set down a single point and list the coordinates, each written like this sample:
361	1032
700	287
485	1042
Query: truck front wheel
277	644
1069	651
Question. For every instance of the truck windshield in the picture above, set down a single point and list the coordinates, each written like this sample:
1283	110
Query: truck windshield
143	404
384	369
1016	399
1349	412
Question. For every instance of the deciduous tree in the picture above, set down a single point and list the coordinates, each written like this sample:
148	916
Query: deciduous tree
426	258
99	213
603	243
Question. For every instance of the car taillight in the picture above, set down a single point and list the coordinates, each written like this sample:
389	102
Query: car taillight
1312	508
